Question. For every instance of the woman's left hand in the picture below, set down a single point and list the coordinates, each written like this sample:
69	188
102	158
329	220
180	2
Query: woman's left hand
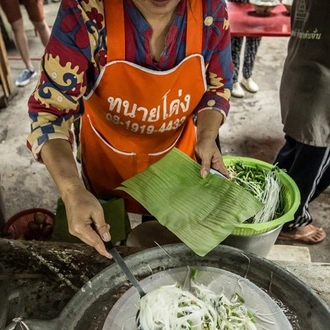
206	149
209	156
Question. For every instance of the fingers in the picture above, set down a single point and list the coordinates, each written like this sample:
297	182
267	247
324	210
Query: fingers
209	160
209	155
92	231
103	231
204	157
89	236
205	169
212	159
218	164
86	220
92	238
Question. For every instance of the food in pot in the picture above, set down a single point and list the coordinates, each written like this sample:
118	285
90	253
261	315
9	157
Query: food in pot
172	307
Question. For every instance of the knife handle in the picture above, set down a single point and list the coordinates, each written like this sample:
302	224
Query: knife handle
109	246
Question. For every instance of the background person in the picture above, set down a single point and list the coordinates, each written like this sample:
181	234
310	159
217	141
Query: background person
250	53
34	8
305	110
151	75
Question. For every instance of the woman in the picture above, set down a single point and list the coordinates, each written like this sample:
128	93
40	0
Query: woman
157	68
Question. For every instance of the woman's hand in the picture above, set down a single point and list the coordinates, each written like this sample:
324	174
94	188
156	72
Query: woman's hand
206	149
209	156
86	219
84	212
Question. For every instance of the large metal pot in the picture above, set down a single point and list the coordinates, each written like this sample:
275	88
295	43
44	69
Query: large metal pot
259	244
88	309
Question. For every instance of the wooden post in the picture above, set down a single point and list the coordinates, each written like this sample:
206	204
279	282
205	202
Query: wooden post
5	78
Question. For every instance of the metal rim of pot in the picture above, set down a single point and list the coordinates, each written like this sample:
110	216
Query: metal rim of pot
311	311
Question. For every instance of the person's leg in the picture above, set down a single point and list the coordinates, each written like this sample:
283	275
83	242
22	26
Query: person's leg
324	182
22	46
11	9
43	31
236	46
308	166
250	53
21	43
36	14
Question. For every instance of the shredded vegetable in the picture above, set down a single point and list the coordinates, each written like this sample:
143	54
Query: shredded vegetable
265	185
173	308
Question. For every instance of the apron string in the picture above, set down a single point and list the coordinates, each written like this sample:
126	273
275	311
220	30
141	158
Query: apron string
194	38
115	25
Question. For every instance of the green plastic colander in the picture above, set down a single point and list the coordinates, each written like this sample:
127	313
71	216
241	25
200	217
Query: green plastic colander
290	194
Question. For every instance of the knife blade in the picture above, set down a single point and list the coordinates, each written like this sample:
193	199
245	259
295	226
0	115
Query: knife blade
213	171
122	264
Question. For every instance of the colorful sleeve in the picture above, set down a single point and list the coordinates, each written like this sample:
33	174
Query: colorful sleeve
217	54
68	71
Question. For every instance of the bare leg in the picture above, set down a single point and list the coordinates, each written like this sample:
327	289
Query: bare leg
43	31
21	42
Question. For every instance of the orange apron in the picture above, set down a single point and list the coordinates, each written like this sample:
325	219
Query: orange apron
135	115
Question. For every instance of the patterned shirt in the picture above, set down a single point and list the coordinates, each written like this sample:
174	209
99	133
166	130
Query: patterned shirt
76	54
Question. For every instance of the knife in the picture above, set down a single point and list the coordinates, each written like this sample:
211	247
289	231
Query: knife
213	171
122	264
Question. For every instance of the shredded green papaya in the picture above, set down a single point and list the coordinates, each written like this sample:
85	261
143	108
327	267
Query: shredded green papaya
265	185
172	308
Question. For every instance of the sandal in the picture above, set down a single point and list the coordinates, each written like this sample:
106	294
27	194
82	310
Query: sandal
308	235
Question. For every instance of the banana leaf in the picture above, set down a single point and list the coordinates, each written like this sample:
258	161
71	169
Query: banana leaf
200	212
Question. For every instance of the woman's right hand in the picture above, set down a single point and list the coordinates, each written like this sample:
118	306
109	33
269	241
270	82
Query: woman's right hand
86	218
83	210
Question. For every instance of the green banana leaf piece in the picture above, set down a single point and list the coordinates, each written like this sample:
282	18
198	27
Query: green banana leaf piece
200	212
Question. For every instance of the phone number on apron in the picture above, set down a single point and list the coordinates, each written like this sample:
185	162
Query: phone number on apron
147	129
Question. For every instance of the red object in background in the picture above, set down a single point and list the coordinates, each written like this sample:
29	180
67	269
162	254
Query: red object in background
244	21
17	226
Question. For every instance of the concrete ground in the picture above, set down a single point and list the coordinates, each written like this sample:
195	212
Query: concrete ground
253	129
